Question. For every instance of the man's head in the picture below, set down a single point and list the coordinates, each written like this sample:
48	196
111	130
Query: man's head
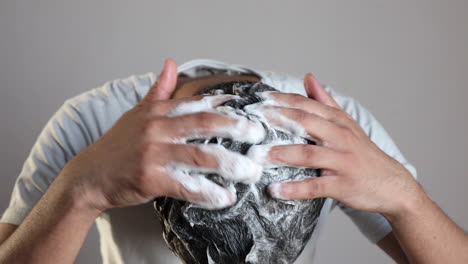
258	228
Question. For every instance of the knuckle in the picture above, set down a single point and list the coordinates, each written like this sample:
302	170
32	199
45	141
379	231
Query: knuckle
341	116
146	153
297	97
335	114
348	161
297	100
151	127
151	108
182	192
308	152
315	187
147	127
198	157
302	102
347	116
142	179
205	120
158	108
347	135
144	175
300	116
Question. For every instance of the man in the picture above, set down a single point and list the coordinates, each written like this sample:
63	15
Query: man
108	150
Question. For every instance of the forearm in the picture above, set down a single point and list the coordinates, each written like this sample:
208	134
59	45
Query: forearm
53	232
426	234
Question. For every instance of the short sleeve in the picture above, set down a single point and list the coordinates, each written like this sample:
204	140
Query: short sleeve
79	122
59	141
373	225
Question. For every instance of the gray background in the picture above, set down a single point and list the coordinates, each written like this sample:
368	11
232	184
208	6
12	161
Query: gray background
406	61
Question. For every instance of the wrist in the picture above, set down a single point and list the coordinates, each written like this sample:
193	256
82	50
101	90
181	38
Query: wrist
58	212
82	202
72	186
408	202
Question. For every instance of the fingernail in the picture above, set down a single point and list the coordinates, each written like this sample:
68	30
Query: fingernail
264	155
220	201
274	190
225	200
262	110
275	154
262	95
255	109
163	71
248	131
221	98
266	95
162	76
259	154
232	198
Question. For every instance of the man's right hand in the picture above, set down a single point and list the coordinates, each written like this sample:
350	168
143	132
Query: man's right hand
141	156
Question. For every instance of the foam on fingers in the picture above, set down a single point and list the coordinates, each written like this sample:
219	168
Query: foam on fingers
244	130
274	190
260	155
205	104
233	166
241	129
212	195
277	119
268	98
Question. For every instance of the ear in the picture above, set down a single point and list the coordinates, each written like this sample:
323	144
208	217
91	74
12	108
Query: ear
165	84
315	91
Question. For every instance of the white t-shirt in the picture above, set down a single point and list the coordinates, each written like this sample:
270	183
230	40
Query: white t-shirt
133	234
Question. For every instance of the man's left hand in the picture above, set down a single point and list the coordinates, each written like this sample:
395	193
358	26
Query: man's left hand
355	171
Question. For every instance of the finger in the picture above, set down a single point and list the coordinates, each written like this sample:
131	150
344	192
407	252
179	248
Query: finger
315	91
300	155
211	158
206	125
205	103
325	186
300	123
199	190
300	102
165	84
198	103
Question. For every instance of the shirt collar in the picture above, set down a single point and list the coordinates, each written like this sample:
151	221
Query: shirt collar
203	67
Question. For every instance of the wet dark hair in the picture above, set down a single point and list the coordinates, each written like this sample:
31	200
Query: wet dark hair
258	228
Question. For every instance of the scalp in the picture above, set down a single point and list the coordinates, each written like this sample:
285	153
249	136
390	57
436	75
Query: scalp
258	228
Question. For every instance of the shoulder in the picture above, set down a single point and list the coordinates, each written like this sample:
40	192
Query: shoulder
84	118
79	122
126	92
96	110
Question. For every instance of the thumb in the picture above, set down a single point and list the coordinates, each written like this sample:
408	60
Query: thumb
315	91
165	84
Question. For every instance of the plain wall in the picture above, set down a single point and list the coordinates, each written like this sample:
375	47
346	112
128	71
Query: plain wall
406	61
